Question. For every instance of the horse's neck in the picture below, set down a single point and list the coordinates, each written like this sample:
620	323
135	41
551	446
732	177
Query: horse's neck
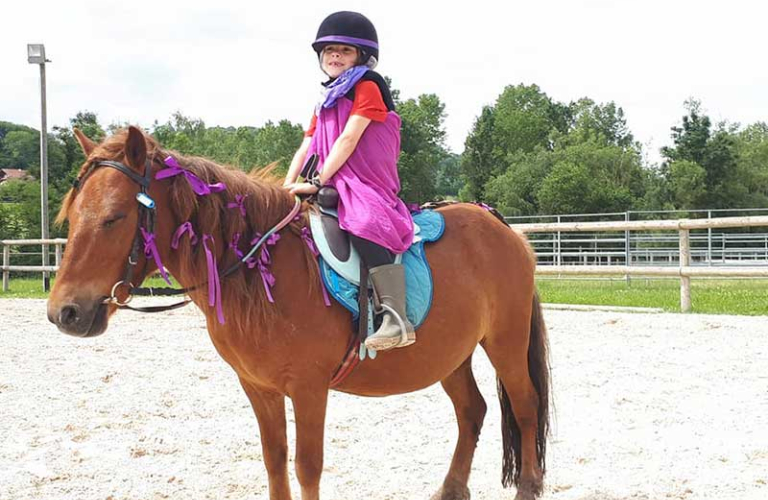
259	192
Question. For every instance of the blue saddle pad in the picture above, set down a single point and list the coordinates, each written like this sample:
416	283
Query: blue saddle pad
418	277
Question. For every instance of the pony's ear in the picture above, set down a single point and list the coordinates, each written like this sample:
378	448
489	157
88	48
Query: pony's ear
136	148
86	144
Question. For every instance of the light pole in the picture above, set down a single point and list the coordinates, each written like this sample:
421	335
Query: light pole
36	55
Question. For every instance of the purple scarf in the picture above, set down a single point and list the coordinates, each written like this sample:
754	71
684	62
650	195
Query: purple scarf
340	87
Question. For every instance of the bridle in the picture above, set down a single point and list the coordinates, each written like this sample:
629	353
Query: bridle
146	222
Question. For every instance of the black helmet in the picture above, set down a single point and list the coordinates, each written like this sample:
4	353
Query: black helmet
348	28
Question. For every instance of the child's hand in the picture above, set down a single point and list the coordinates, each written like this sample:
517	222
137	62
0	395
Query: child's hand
302	188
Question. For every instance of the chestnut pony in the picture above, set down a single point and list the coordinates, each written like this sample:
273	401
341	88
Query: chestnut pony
484	294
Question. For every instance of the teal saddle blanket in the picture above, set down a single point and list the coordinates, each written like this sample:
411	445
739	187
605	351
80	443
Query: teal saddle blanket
418	277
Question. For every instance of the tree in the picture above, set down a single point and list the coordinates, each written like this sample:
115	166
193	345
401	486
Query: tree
522	120
566	190
22	202
21	149
715	153
65	171
19	146
479	162
276	143
604	122
449	178
514	192
244	147
526	117
421	147
752	163
688	183
691	137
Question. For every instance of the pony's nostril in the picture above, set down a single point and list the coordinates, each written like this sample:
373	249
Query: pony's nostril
69	315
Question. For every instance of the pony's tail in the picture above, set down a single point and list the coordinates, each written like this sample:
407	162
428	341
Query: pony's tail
538	370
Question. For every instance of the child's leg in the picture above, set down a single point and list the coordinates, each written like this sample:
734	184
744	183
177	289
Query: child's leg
388	281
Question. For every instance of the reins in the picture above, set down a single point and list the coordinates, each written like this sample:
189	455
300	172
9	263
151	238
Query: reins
145	229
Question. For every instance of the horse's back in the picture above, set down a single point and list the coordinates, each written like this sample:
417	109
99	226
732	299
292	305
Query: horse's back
482	272
478	244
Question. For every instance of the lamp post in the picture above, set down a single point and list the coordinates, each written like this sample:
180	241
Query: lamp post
36	55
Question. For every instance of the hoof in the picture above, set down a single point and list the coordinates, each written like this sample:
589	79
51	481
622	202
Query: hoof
452	490
528	490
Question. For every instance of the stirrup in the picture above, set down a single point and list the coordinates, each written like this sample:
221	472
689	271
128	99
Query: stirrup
405	338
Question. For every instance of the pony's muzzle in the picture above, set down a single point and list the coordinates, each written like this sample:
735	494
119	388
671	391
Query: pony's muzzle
74	319
69	316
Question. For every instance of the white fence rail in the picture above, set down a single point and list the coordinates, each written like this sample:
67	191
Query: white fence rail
7	268
684	269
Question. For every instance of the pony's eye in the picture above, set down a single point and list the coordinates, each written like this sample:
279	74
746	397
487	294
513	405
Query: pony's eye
112	221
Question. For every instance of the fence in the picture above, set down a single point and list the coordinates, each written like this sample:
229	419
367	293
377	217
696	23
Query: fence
711	246
685	257
684	269
7	268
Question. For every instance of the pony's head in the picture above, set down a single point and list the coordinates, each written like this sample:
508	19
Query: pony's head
104	220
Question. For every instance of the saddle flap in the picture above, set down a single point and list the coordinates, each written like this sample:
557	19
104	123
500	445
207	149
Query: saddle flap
337	238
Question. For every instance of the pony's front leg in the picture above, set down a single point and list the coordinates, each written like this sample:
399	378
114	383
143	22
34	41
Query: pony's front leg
309	405
269	408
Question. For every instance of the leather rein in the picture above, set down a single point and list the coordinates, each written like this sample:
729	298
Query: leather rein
146	221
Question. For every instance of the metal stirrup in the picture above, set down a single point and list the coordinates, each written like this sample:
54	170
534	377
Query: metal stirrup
403	329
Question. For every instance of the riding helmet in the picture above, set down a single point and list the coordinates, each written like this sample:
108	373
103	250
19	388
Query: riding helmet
349	28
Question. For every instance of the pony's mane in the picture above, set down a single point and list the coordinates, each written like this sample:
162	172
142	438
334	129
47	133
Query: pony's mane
265	202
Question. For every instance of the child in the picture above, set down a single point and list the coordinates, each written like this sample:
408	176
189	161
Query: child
356	134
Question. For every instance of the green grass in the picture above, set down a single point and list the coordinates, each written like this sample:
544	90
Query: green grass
30	288
24	288
743	296
710	296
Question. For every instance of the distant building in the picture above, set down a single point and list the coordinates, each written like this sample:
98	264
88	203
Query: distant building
7	174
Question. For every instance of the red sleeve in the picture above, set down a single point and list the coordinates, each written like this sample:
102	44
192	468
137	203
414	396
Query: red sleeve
368	102
312	126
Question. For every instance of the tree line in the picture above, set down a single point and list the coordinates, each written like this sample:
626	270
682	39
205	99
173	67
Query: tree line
526	154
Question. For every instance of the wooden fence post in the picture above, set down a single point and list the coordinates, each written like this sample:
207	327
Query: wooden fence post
685	261
6	263
58	255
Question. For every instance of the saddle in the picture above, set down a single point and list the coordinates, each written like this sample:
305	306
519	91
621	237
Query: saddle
340	266
333	242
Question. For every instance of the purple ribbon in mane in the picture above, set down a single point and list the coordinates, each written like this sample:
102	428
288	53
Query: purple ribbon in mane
306	236
268	279
239	203
233	245
150	250
198	186
262	263
214	285
184	228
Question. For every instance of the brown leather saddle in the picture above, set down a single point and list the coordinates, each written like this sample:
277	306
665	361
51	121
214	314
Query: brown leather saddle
337	238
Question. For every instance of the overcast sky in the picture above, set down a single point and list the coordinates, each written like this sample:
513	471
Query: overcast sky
245	62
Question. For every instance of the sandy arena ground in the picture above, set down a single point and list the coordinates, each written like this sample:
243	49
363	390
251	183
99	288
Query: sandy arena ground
647	406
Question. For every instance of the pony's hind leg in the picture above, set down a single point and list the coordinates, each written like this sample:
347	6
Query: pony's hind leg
269	408
470	410
519	354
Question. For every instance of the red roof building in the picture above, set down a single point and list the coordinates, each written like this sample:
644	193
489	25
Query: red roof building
7	174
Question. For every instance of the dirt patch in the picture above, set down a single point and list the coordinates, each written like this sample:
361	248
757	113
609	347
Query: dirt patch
647	406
